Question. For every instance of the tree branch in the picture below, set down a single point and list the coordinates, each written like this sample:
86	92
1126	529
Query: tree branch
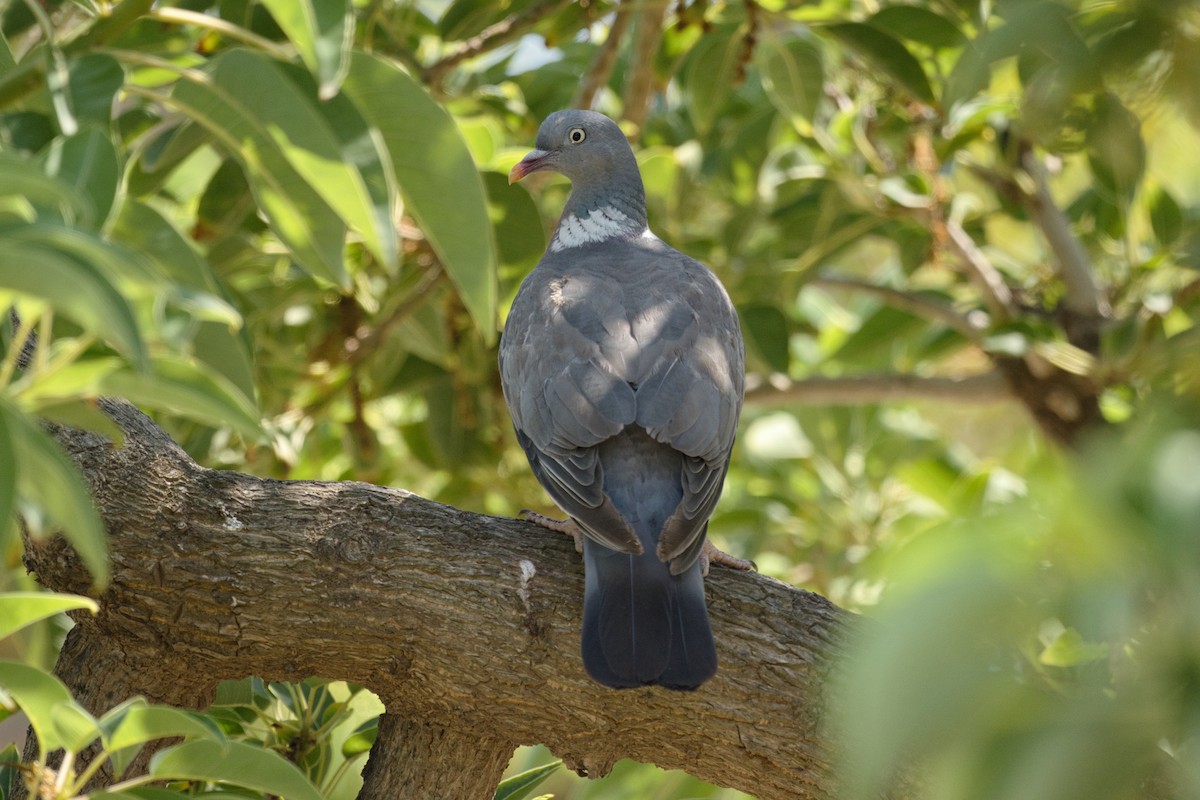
639	84
507	29
466	623
1084	307
907	301
996	294
606	57
987	387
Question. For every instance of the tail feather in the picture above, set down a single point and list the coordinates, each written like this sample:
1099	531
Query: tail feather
641	624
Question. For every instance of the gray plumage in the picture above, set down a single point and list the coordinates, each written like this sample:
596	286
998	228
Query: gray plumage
623	368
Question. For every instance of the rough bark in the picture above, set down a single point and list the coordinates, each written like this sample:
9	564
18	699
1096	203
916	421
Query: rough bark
466	626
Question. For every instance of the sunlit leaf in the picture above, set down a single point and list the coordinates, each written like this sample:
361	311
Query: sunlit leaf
73	287
522	785
234	762
37	693
182	387
20	609
441	187
300	217
322	31
361	739
134	723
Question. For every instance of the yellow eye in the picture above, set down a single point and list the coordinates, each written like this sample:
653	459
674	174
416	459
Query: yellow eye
576	135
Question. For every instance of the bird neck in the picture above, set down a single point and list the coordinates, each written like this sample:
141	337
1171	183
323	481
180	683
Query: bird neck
593	215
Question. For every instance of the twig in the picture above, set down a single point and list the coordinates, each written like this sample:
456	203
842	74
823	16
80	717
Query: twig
907	301
505	30
181	16
1083	297
639	86
987	387
996	294
357	347
606	57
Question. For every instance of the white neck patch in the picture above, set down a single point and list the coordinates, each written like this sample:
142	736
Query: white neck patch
601	224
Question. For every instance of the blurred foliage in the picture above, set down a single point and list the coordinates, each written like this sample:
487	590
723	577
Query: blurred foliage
284	229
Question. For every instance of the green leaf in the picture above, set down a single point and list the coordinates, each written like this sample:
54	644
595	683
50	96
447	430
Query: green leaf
307	224
237	763
10	759
49	479
322	31
1115	148
363	153
73	287
361	739
767	329
74	726
87	161
135	723
708	77
1069	649
145	230
19	609
8	505
440	184
20	178
519	786
183	387
918	24
1165	217
885	53
37	693
7	62
793	76
329	144
94	81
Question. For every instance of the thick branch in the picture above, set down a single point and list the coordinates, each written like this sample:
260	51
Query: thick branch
467	623
987	387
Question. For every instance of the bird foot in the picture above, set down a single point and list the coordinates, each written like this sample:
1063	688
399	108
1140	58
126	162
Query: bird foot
567	526
711	555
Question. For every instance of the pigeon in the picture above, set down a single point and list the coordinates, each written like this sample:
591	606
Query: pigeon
623	368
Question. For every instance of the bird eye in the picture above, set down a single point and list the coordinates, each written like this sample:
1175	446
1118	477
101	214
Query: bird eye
576	135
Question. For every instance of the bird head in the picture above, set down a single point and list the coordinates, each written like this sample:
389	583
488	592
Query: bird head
582	145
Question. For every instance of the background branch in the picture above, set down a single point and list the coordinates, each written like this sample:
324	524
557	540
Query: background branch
504	31
908	301
987	387
466	622
996	294
606	57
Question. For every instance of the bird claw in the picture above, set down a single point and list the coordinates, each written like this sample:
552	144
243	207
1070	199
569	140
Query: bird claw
567	526
711	555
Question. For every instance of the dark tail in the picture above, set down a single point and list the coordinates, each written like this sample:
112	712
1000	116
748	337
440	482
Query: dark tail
641	624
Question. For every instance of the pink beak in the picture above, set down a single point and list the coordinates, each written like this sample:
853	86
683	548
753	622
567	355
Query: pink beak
532	162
